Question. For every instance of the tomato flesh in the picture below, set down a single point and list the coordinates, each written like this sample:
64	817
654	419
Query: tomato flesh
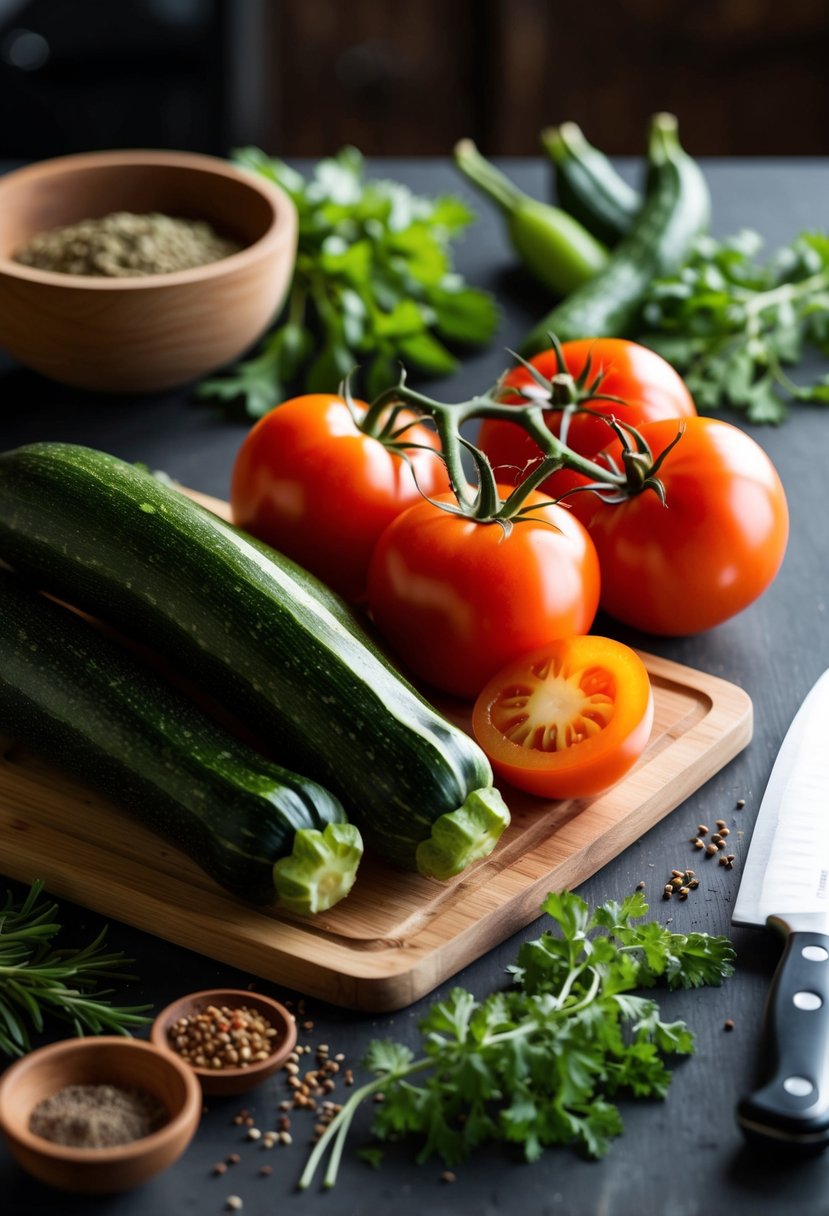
568	720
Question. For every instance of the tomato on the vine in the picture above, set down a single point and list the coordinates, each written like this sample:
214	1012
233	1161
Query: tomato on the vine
711	550
568	720
650	388
310	483
456	598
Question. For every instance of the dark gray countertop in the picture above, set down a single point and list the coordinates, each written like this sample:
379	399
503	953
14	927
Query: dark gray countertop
681	1157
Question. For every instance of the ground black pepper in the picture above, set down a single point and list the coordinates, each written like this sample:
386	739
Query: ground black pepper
97	1116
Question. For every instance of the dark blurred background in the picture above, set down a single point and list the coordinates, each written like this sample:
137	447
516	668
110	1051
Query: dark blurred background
303	77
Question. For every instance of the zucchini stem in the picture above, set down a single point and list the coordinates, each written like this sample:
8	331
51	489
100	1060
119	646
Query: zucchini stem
320	870
460	837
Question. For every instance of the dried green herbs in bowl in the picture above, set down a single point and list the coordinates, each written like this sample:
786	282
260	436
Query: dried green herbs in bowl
173	321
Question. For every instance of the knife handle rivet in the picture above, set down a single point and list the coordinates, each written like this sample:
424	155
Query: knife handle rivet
814	954
807	1001
798	1087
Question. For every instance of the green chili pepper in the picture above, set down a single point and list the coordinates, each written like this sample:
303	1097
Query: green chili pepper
553	245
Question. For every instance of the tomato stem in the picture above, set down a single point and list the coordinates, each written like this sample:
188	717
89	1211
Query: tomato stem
562	391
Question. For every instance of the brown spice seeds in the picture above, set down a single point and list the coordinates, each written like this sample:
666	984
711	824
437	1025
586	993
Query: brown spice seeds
219	1038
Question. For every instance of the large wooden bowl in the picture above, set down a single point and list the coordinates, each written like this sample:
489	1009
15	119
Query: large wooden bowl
105	1060
137	335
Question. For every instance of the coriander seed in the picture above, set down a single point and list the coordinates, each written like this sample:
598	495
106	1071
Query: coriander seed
218	1038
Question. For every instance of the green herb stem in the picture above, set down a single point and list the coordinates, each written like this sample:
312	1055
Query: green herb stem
787	293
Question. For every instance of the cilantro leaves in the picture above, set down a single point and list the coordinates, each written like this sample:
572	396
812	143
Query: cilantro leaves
730	323
373	285
541	1062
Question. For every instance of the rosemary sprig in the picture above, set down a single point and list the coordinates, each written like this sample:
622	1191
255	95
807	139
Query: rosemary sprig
39	980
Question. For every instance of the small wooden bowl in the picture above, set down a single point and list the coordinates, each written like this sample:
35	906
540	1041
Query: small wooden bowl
136	335
227	1081
105	1060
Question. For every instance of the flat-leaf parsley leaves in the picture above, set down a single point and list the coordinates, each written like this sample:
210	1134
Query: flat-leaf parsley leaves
731	323
540	1063
373	286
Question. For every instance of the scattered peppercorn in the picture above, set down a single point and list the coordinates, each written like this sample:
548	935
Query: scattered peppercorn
728	1024
447	1176
220	1168
740	803
234	1203
265	1171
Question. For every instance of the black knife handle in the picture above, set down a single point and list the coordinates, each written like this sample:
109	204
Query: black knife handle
792	1107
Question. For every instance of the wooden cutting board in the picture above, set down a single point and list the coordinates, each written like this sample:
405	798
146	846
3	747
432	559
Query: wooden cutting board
397	935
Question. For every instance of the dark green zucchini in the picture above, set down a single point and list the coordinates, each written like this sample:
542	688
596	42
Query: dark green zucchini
81	700
588	186
260	635
675	211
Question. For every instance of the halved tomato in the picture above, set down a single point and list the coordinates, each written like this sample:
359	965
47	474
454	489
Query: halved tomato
568	720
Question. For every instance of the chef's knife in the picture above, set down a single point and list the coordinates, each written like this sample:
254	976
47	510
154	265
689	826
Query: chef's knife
785	885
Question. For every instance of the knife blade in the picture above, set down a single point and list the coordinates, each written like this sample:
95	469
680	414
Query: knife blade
785	886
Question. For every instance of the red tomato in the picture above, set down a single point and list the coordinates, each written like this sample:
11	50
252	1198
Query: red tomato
712	550
308	482
457	599
644	380
568	720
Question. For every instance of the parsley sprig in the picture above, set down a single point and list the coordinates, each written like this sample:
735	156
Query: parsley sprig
373	285
39	980
731	322
540	1063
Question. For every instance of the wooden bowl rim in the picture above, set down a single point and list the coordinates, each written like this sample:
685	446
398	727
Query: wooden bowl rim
216	996
280	231
176	1125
